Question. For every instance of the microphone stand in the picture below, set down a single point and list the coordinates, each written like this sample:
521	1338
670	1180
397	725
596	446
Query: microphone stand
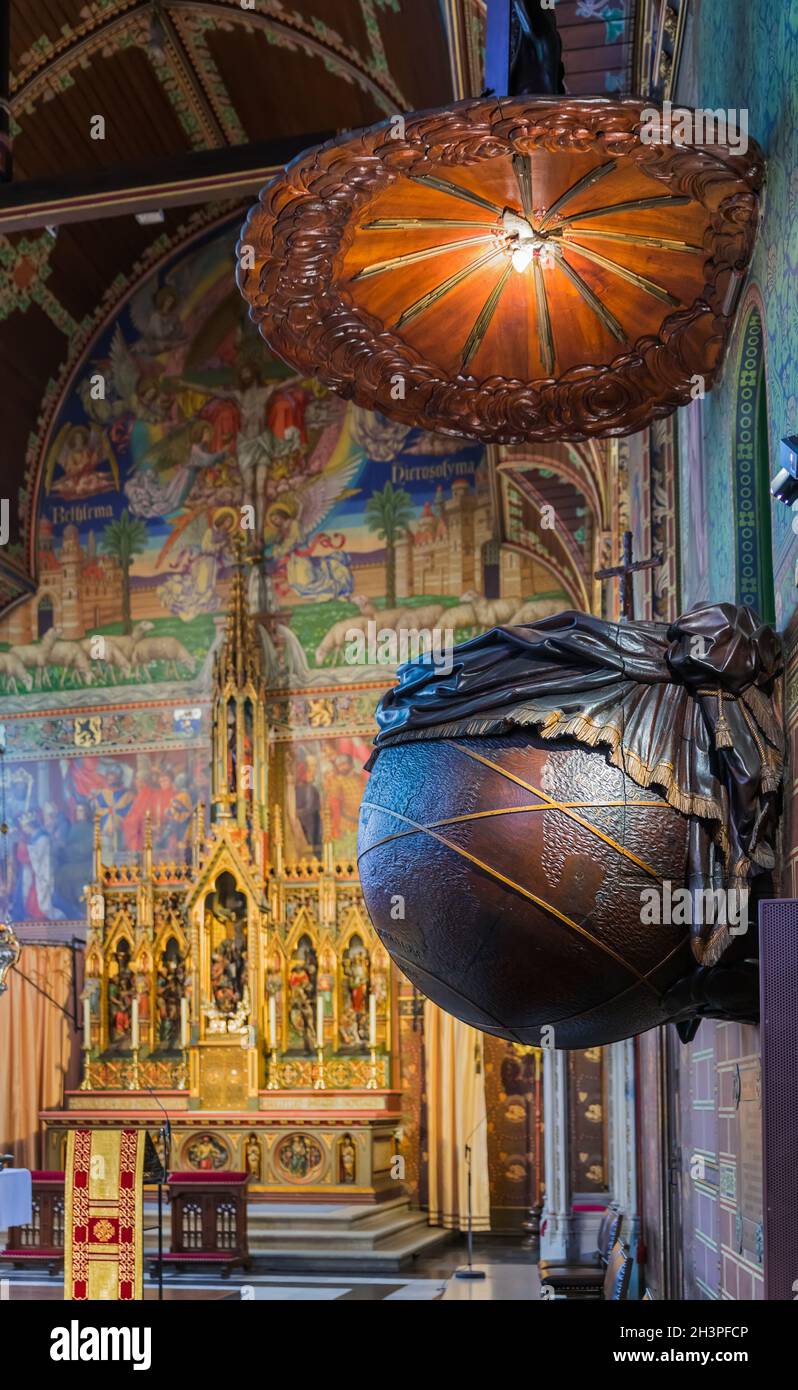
468	1271
165	1141
165	1137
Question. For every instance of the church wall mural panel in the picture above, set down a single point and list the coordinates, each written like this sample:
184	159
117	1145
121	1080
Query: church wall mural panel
51	806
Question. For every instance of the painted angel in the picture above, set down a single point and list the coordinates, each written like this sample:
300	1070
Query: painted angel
155	314
86	460
308	560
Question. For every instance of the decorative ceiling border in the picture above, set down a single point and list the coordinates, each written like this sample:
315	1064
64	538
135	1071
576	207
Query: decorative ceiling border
107	28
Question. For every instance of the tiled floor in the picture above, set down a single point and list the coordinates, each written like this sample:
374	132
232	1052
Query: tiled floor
425	1280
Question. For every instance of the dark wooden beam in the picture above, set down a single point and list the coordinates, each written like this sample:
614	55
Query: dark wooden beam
198	177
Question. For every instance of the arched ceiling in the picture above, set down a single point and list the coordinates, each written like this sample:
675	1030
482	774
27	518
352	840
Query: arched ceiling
170	79
176	78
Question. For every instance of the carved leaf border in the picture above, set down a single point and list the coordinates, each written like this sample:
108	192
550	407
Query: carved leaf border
305	220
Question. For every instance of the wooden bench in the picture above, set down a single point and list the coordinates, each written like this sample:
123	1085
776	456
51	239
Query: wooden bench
209	1221
41	1242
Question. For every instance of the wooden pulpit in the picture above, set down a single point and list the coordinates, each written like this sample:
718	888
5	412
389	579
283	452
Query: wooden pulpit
209	1220
42	1241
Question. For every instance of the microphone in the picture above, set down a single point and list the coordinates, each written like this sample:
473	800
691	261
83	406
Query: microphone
166	1131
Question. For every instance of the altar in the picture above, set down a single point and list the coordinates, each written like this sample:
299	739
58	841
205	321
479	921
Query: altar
245	997
296	1146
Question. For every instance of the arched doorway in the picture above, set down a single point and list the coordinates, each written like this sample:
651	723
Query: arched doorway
491	569
44	616
754	554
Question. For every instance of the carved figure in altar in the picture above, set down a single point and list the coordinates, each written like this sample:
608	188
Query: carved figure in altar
253	1156
143	995
299	1156
346	1160
302	977
348	1029
232	748
226	914
207	1153
172	985
356	988
121	991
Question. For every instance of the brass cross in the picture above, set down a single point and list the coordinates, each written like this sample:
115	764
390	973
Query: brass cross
624	572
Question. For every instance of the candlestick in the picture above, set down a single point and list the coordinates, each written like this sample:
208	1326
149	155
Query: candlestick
319	1084
372	1020
184	1022
272	1083
272	1022
320	1020
134	1027
85	1084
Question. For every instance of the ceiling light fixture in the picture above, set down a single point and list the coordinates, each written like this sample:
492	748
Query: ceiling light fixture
375	258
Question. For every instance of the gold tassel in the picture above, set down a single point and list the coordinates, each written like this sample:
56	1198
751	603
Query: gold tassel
723	737
771	778
718	942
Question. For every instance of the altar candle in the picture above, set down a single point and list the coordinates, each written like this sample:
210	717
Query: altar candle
272	1021
87	1023
134	1031
372	1020
320	1020
184	1022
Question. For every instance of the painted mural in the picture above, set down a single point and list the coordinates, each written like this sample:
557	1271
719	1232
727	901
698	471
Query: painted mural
50	808
181	428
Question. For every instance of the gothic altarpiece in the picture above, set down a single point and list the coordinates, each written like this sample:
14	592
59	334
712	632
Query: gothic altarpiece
247	996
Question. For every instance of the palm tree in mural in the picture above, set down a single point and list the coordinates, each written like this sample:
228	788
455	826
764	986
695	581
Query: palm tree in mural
389	513
123	539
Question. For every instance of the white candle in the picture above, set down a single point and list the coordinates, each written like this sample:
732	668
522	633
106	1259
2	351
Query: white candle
272	1021
184	1022
372	1020
134	1031
87	1023
320	1020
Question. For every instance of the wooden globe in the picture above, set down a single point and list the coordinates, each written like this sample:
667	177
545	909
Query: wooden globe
504	876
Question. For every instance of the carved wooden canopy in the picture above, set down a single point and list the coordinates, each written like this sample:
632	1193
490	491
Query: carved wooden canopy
527	269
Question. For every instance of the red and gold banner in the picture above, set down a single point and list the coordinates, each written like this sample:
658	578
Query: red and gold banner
103	1231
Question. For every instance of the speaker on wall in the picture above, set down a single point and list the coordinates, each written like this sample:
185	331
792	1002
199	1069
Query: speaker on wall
778	952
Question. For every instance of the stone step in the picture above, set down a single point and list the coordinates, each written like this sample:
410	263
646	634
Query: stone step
264	1216
338	1237
310	1239
390	1256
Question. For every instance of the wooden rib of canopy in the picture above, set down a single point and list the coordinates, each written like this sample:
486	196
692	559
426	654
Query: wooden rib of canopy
507	271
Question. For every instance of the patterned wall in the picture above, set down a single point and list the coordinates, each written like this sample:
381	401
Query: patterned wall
745	53
738	53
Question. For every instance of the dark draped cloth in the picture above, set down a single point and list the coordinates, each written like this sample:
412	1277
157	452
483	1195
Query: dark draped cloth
691	708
